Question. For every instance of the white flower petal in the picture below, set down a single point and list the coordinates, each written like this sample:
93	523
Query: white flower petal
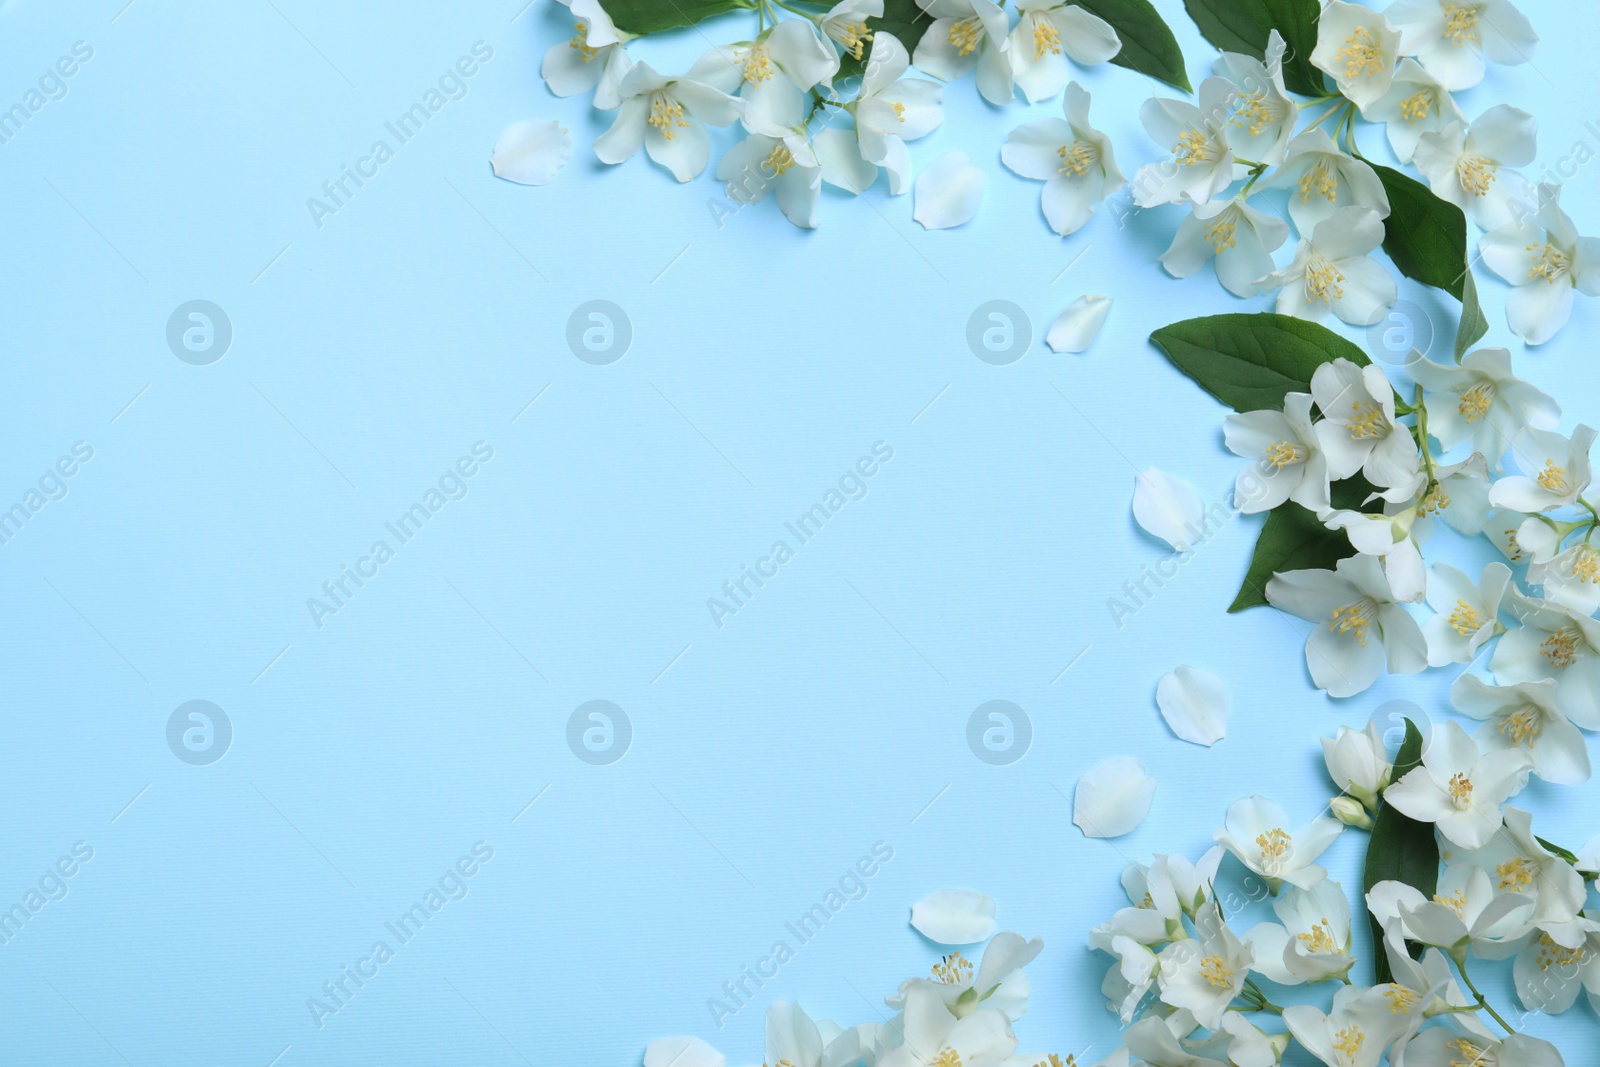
1113	799
948	192
1168	507
1195	705
1078	326
954	916
682	1052
531	152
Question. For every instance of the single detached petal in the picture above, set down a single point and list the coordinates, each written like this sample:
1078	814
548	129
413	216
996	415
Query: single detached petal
948	192
1168	507
682	1052
954	916
1195	705
531	152
1078	326
1113	799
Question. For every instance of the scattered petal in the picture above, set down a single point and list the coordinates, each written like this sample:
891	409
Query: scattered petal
1079	325
1195	705
1168	507
531	152
948	192
1113	799
682	1052
954	916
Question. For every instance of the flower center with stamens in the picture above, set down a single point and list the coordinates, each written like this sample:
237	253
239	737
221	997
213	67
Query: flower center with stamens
757	65
1323	280
1401	1000
954	969
1523	726
1053	1060
1471	1055
1561	647
1321	180
1551	265
1456	902
1283	453
580	43
965	35
1354	620
1460	791
1513	548
1194	147
1554	955
1366	421
1275	846
1552	479
854	39
1349	1041
1320	939
1460	25
1438	499
1515	877
947	1057
1216	972
1077	158
1362	54
1251	112
778	160
1475	402
1417	105
1476	174
1466	620
665	114
1586	565
899	110
1045	39
1219	233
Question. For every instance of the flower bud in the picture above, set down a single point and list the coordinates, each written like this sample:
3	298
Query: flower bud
1351	812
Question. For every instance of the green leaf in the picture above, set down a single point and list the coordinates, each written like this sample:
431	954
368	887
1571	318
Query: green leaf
1400	849
1243	26
1250	361
1425	236
1473	324
1148	46
640	17
1293	539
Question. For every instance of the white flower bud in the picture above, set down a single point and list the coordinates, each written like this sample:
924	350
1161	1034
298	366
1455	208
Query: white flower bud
1350	812
1358	763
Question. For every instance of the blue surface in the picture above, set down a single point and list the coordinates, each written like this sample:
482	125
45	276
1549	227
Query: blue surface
371	754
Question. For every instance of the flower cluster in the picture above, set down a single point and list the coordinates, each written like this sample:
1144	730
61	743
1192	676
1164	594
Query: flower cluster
1197	992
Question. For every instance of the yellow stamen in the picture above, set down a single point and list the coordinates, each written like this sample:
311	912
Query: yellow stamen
1515	877
1476	174
1320	939
1586	565
965	35
1561	647
1438	499
1552	479
1362	54
778	160
1251	113
1523	726
1466	620
1461	791
899	110
854	38
1417	105
1471	1055
1349	1040
1275	846
1321	180
1283	453
1077	158
1456	902
1216	972
757	65
1219	232
1475	402
1194	147
1366	421
580	43
947	1057
954	969
1324	282
665	114
1551	265
1554	955
1401	1000
1045	38
1460	25
1354	620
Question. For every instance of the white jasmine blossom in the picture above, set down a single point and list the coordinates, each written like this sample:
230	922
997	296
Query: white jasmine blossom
1333	271
1470	165
1452	38
1072	158
1361	627
1321	179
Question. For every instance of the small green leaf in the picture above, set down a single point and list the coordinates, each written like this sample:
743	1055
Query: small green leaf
1250	361
1293	539
1424	235
1148	46
1244	25
1400	849
1473	324
640	17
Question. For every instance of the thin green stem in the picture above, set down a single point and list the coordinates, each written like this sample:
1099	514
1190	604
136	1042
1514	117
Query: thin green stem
1320	118
1422	441
1483	1001
1256	171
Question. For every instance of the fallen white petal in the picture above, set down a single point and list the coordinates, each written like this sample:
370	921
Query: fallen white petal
954	916
1195	705
531	152
1113	798
1078	326
682	1052
948	192
1168	507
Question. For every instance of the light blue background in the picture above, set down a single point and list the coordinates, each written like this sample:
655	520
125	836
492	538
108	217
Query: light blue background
827	715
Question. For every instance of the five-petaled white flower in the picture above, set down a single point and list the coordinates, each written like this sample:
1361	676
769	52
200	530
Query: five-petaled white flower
967	34
1518	862
1549	974
1358	48
771	74
1000	984
1553	641
1256	832
1201	165
1458	788
1290	464
1313	942
1446	1047
1359	431
1555	470
594	59
779	162
1545	259
1465	914
1333	271
1570	577
1359	1029
1323	179
1466	614
934	1037
1205	972
667	116
1480	401
890	111
1526	715
1452	38
1071	157
1361	627
1415	104
1238	237
1469	165
1261	112
1046	30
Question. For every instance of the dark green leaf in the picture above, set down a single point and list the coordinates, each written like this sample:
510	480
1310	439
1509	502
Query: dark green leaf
1243	26
1556	850
1148	46
640	17
1425	236
1400	849
1473	324
1293	540
1250	361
